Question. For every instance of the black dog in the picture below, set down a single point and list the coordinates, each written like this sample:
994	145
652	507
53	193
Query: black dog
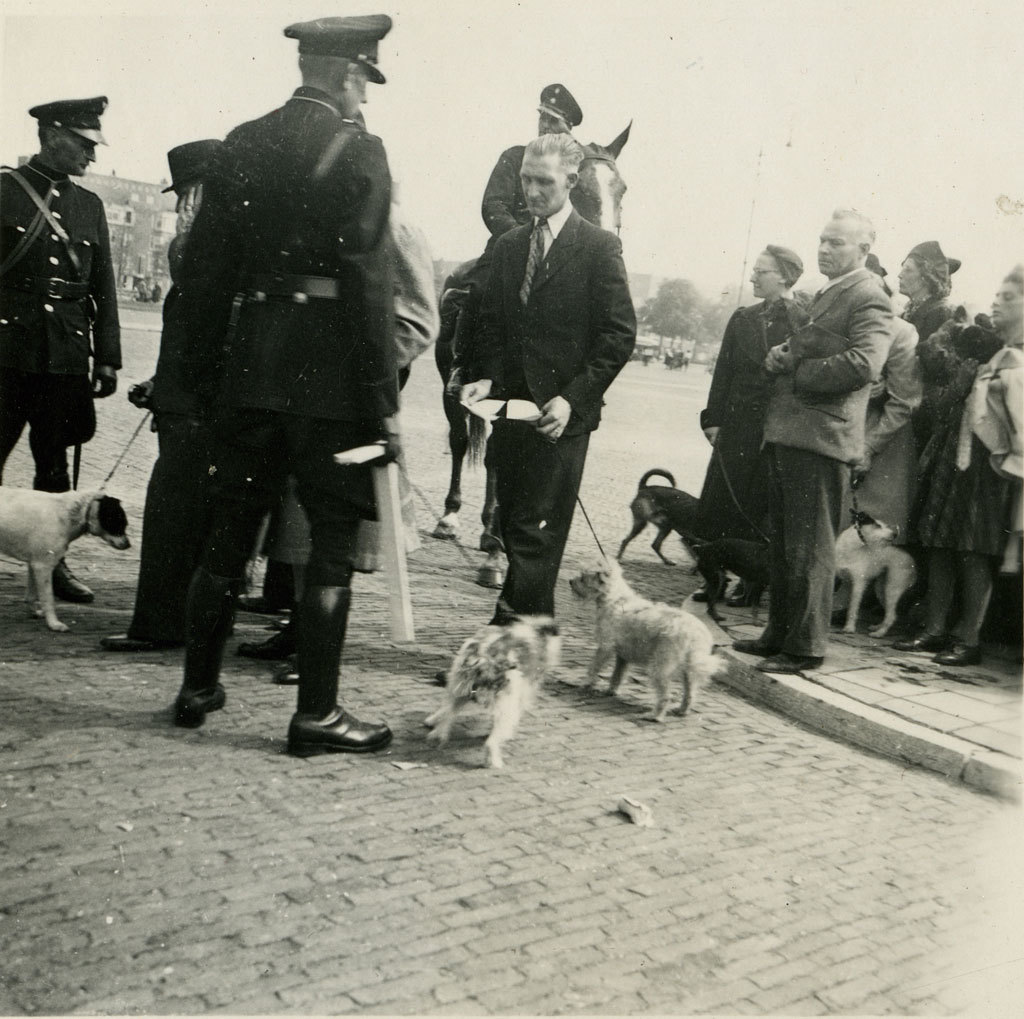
749	560
669	509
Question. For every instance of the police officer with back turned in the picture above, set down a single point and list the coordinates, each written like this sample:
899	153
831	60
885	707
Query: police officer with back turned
287	294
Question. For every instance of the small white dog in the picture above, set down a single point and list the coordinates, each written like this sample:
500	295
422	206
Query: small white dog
863	558
37	527
502	668
669	642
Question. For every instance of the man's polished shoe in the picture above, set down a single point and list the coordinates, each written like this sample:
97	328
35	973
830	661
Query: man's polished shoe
959	653
791	664
925	642
275	648
68	587
122	642
700	595
338	733
287	674
755	647
191	706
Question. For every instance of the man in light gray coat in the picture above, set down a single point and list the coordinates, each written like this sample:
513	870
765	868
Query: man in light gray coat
814	432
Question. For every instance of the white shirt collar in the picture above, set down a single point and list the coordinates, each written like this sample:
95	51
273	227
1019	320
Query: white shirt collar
839	279
558	219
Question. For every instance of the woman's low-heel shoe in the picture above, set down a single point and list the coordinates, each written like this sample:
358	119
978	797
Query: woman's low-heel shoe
339	733
191	706
925	642
960	654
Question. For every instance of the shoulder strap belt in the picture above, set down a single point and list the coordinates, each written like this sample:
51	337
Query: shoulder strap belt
28	238
44	210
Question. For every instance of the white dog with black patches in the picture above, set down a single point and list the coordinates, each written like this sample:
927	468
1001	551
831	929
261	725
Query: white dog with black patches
500	667
671	644
37	527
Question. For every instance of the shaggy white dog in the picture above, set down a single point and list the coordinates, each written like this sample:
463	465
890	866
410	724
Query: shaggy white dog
670	643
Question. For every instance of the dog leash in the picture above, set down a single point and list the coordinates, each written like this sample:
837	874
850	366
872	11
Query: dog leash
124	451
591	526
430	510
462	548
855	509
715	454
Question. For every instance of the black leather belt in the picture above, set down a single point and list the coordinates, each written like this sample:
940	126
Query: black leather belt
297	288
51	287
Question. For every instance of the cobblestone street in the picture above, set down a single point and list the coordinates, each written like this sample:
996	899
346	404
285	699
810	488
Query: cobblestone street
150	869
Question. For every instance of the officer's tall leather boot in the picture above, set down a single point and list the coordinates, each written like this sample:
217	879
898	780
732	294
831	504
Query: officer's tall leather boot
320	725
209	614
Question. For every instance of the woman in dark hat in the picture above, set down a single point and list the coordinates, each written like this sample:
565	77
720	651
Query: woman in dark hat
734	498
968	506
924	280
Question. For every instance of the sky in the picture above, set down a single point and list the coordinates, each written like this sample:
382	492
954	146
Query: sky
752	121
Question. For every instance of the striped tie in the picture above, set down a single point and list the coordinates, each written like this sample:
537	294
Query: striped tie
534	260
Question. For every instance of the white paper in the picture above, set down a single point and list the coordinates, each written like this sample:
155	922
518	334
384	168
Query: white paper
360	454
486	409
522	410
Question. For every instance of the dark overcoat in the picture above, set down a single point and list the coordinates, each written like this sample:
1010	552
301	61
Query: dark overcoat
737	404
300	192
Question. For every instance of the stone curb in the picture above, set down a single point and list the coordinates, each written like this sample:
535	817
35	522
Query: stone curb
862	725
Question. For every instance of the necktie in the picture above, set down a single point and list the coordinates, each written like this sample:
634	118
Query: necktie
535	258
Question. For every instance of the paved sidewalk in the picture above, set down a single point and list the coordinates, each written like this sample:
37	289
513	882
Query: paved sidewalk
962	722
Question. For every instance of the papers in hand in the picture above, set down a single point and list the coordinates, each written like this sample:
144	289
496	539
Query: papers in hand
361	454
486	409
522	410
515	410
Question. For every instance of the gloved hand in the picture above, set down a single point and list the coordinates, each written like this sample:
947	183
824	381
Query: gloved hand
104	381
392	441
140	394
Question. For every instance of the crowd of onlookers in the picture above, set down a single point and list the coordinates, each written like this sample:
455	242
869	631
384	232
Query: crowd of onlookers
941	455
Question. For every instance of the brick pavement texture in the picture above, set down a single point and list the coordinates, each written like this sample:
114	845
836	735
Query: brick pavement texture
147	869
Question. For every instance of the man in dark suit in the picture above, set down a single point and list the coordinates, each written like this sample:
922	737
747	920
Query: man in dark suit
177	497
556	326
286	293
58	294
813	434
503	208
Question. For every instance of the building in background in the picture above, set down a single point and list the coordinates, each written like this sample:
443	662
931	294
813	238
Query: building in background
141	221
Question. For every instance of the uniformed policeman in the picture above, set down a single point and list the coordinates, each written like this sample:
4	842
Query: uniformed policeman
287	296
58	302
177	499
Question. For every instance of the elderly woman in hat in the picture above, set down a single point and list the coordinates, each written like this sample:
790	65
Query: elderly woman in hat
734	497
924	280
969	510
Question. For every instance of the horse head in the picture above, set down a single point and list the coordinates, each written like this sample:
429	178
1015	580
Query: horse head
597	195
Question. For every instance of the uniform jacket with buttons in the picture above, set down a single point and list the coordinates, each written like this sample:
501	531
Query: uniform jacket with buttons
43	335
504	205
821	405
302	192
577	329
